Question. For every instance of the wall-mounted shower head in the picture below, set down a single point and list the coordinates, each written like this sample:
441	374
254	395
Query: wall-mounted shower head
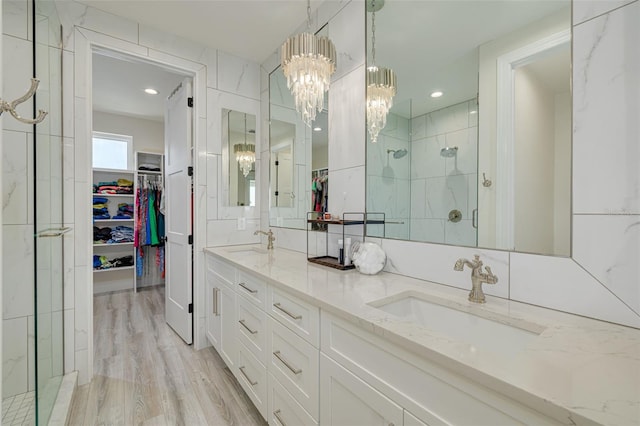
397	153
449	151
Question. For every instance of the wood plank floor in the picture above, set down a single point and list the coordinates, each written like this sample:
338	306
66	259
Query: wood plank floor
144	374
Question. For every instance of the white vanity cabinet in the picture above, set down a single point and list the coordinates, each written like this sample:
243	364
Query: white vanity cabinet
346	400
220	306
301	365
431	393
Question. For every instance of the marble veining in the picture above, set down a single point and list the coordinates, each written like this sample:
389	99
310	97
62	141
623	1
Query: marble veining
580	369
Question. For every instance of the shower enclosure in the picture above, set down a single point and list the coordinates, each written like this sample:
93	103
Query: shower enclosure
33	231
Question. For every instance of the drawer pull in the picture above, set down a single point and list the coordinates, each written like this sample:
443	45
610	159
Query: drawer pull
294	370
277	414
216	312
295	317
249	289
247	327
252	383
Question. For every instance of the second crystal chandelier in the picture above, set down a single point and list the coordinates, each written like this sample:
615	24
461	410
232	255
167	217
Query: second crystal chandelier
245	152
308	61
381	83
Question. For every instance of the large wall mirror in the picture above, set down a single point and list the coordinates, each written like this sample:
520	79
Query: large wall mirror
298	158
476	150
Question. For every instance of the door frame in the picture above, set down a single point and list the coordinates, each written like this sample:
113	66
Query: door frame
86	43
505	128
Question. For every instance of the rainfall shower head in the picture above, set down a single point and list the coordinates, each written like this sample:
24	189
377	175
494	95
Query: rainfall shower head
449	152
397	153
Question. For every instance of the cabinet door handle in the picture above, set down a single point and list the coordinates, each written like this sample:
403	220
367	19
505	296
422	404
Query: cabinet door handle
247	327
251	382
293	369
474	218
295	317
277	414
215	302
249	289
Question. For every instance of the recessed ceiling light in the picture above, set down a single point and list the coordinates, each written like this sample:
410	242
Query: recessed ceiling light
151	91
317	129
436	94
473	112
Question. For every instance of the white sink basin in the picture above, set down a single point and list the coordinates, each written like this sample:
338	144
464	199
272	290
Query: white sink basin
246	250
482	333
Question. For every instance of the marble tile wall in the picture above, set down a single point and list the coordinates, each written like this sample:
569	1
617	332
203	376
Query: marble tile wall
17	205
439	184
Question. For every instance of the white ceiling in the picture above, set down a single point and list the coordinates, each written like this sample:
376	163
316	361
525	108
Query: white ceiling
251	29
433	44
118	87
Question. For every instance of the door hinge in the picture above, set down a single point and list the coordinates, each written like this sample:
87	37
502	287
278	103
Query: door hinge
190	239
190	102
277	193
190	308
277	163
190	171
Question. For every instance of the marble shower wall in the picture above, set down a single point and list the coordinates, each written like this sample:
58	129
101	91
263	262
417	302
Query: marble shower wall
388	179
439	184
17	208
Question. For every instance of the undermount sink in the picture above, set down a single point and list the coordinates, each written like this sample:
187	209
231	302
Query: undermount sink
246	250
482	333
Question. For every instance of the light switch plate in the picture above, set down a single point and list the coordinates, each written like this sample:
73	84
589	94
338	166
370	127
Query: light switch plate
242	224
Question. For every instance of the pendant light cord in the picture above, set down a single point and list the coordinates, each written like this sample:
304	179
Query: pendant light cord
245	130
373	34
309	15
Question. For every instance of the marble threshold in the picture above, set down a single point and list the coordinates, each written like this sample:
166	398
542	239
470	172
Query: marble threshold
584	370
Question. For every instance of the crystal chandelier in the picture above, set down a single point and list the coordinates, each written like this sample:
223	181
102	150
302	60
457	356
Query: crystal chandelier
381	83
245	152
308	61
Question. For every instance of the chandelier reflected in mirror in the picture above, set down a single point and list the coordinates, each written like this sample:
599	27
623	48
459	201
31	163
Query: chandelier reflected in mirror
308	61
381	83
245	153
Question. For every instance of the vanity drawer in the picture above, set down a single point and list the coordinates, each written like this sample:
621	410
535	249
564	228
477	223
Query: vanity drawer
295	363
297	315
223	269
253	288
284	409
252	376
252	329
429	391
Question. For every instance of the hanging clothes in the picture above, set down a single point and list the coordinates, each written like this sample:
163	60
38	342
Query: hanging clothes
149	223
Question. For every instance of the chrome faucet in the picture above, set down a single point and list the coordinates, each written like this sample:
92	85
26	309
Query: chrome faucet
477	277
270	238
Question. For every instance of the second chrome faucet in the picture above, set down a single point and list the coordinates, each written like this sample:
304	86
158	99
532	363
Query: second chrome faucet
477	277
270	238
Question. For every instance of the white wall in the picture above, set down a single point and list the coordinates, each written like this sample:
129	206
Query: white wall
534	123
487	88
562	175
148	135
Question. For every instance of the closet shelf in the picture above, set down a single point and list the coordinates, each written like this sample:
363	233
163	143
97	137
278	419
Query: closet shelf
113	220
97	194
148	172
111	244
121	268
114	171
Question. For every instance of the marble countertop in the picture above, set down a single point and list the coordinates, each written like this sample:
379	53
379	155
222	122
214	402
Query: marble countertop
578	369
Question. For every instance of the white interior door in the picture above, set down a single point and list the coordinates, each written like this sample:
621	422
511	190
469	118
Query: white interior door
178	204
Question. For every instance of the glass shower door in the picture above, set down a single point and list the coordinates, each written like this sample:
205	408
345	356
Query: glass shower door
48	211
